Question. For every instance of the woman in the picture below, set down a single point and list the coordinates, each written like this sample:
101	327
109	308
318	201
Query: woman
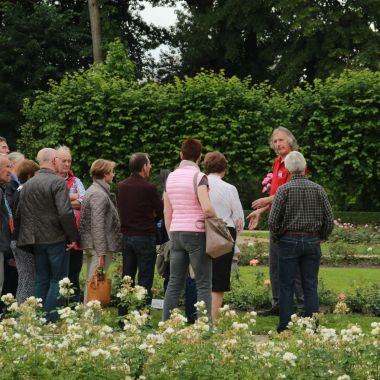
99	220
225	200
24	260
185	208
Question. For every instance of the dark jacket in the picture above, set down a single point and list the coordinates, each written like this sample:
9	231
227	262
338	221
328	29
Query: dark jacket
5	233
139	205
44	214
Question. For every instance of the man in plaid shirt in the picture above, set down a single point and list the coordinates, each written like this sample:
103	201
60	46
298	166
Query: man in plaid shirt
301	216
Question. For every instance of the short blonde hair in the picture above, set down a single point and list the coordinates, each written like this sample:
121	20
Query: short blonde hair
100	168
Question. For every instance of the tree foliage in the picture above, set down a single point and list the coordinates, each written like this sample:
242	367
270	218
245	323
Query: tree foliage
287	42
101	113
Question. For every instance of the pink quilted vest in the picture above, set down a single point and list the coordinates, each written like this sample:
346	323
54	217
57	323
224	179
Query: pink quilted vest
187	212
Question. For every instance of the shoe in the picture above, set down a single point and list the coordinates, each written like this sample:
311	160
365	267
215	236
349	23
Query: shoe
267	313
281	329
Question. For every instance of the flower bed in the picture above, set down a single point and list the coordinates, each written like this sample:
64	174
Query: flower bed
82	346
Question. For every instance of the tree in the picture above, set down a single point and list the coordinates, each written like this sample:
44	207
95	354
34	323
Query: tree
95	30
287	42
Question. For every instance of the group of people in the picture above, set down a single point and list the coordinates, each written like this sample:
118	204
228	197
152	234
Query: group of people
50	222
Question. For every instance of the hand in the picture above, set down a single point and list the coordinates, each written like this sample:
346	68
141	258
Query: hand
254	218
73	196
71	246
261	202
102	261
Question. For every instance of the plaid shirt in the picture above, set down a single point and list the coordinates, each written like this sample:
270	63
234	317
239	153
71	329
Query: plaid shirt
301	205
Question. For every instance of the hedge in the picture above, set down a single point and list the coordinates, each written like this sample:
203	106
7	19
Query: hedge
104	112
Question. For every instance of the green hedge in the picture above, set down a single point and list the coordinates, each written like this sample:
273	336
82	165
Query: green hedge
104	112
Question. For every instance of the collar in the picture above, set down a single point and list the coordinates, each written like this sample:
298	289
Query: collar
137	175
47	170
104	185
189	163
297	176
14	177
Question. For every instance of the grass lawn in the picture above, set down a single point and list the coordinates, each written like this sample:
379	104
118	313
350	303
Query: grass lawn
340	280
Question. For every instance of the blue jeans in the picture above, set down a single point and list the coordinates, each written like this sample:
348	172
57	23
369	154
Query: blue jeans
303	252
190	298
139	253
188	248
52	265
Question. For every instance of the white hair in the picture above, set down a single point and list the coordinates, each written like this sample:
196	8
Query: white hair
295	162
15	156
291	139
63	148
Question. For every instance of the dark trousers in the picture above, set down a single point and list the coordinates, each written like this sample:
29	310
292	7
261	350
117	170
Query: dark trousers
274	274
302	252
75	267
52	265
139	255
190	298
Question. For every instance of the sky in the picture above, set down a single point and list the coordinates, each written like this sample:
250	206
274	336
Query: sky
160	16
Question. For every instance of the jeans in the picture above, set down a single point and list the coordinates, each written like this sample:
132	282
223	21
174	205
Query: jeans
190	298
52	265
188	248
303	252
274	274
75	266
139	253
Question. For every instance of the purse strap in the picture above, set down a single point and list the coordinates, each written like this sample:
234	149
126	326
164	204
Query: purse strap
195	178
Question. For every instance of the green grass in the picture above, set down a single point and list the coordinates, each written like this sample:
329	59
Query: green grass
340	280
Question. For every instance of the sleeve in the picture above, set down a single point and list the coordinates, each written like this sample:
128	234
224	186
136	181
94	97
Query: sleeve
80	189
98	207
277	213
65	213
328	217
237	210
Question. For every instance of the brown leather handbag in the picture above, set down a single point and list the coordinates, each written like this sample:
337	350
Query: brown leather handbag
99	288
218	238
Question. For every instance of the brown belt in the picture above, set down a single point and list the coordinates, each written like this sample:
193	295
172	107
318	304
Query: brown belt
301	233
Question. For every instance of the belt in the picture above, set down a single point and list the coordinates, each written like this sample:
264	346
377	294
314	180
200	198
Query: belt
301	233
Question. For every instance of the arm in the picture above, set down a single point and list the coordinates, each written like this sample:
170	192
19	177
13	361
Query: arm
157	205
168	212
237	210
76	198
262	202
328	217
98	206
205	202
65	212
277	213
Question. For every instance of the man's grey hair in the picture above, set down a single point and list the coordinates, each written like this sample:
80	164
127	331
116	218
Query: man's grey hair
291	139
46	155
15	156
63	148
295	163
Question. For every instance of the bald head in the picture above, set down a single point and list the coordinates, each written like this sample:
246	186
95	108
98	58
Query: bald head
46	158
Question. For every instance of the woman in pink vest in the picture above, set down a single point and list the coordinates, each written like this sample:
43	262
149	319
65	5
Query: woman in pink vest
185	212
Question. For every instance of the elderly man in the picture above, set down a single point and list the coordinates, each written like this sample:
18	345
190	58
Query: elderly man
46	222
300	218
6	217
76	193
4	149
282	142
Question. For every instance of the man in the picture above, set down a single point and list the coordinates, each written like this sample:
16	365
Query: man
76	193
6	217
282	142
300	218
139	205
46	223
4	149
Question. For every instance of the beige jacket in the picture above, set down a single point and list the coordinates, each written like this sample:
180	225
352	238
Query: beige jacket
99	220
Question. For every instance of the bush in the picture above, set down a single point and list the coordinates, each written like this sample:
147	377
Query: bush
365	299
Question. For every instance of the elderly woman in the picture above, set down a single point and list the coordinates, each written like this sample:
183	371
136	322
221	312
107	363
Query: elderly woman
24	260
99	220
225	200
